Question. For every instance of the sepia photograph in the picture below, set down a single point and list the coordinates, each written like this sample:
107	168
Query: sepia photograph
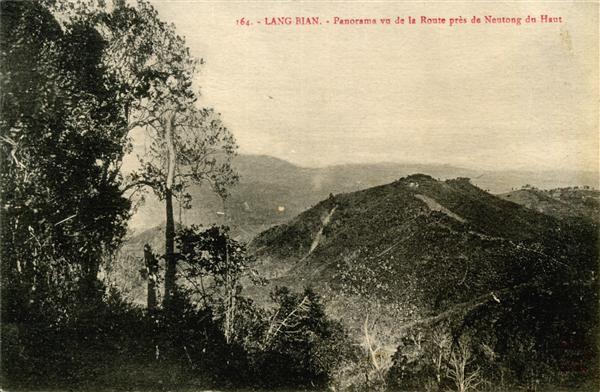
299	195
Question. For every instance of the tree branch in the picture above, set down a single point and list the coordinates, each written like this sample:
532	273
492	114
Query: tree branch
140	183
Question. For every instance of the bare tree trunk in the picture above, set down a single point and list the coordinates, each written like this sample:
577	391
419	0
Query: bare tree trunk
230	315
229	301
170	226
169	249
229	287
152	266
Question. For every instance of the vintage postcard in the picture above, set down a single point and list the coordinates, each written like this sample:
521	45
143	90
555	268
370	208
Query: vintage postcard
299	195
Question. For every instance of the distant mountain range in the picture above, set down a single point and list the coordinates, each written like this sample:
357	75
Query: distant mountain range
272	191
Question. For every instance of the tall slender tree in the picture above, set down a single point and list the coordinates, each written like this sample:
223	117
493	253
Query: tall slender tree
148	74
188	144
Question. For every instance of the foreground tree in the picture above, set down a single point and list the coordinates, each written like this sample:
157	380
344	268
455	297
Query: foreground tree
194	148
154	75
187	144
62	137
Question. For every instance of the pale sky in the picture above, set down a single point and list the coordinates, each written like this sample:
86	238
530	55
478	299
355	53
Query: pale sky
478	96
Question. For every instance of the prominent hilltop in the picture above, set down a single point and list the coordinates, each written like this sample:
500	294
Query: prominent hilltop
421	251
431	246
417	221
398	239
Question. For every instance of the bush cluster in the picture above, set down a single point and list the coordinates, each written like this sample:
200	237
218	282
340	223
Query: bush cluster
112	343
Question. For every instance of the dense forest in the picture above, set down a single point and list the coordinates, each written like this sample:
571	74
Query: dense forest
77	78
365	291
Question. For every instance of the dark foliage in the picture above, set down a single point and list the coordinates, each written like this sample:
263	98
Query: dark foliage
60	146
301	347
114	344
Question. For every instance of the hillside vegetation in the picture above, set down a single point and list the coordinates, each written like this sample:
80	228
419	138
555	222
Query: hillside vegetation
423	253
416	220
420	256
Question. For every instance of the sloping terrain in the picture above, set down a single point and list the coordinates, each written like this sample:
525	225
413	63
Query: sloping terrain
429	247
560	202
419	221
421	251
392	219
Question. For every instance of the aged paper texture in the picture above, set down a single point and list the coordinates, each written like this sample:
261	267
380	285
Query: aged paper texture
292	195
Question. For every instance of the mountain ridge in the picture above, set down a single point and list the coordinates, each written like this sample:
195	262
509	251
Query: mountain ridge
453	220
272	190
420	252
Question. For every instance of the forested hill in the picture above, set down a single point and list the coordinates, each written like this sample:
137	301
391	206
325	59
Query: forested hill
420	253
426	242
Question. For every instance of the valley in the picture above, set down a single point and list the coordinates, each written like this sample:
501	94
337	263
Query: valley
417	253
